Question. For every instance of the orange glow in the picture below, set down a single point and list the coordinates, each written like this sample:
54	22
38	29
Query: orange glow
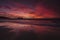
22	11
27	15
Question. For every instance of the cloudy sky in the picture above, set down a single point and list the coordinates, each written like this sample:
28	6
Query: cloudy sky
29	8
29	29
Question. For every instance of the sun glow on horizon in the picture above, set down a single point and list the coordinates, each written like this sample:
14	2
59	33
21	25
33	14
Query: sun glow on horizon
21	11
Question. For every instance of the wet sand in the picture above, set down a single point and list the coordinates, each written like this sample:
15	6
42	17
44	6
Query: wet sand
29	30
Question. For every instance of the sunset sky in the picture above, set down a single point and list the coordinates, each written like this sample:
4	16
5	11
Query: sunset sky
31	9
41	29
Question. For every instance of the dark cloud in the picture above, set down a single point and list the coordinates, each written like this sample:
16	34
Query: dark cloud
52	5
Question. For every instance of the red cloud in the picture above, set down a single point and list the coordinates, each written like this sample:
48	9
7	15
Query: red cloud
15	10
